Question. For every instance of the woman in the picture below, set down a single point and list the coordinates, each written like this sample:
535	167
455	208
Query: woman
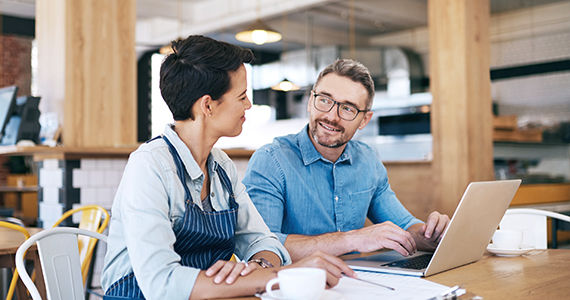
180	212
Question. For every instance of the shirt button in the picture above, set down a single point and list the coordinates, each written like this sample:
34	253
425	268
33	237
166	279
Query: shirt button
338	230
212	194
335	198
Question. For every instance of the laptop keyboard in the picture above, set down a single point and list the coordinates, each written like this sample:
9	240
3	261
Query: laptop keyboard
417	263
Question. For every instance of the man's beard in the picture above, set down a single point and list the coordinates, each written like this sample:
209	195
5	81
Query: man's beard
335	144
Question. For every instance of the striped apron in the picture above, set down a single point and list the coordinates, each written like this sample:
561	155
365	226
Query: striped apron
202	239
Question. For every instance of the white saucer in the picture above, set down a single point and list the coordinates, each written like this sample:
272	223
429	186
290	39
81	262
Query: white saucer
508	252
327	295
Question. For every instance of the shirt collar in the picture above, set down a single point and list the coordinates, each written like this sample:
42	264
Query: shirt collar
309	153
190	163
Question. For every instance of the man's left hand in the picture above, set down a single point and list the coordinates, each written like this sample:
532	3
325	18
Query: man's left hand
428	235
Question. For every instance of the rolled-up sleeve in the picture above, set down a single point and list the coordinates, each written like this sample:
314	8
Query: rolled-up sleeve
252	233
148	233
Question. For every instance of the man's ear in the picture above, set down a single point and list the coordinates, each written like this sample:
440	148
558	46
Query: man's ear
365	120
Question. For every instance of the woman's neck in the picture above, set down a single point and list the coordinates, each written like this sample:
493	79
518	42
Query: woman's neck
195	137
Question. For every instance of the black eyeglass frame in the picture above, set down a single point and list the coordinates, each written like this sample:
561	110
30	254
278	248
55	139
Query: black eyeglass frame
338	104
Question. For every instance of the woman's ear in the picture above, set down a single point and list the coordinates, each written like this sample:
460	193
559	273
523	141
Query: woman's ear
205	105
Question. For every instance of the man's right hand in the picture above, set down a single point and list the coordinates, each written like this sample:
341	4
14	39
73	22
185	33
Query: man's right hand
334	266
383	235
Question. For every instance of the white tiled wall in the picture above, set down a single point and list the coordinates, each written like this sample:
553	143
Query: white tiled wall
96	179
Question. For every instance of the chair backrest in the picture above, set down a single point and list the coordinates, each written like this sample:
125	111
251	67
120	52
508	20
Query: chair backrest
90	220
26	234
532	222
59	255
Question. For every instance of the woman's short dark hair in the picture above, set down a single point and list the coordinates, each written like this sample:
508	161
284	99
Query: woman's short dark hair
355	71
199	66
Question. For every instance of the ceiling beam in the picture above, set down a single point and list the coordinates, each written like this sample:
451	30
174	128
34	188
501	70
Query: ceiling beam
216	15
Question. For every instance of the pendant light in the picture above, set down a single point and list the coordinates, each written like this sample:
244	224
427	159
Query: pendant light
167	49
285	85
258	33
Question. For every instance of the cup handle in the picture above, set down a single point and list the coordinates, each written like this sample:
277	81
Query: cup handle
269	286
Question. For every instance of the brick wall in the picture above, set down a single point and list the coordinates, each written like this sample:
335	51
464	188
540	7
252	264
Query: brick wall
15	62
15	69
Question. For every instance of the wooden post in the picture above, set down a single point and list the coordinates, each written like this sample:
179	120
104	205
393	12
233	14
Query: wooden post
87	69
461	117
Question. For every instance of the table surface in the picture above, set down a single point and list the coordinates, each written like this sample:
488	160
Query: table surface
11	239
540	274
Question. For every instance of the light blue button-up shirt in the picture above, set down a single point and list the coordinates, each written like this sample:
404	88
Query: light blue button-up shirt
150	202
298	191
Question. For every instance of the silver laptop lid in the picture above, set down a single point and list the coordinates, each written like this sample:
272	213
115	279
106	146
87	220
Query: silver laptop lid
476	218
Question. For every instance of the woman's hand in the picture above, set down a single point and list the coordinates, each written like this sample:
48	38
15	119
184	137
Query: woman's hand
229	271
334	266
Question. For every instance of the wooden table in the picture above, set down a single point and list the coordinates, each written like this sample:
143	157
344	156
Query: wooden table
541	274
10	240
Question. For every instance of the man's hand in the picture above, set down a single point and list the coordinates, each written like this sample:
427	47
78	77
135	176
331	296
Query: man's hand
428	235
383	235
229	270
334	266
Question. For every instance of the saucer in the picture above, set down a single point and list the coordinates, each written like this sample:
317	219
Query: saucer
508	252
327	295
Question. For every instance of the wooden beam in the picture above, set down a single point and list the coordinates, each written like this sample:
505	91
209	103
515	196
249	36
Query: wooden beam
87	69
461	109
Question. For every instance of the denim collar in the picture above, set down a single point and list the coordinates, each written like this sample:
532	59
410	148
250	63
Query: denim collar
309	153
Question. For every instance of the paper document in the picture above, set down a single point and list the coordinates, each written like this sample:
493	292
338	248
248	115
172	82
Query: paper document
405	287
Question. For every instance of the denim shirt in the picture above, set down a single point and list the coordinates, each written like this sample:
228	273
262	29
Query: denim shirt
150	202
298	191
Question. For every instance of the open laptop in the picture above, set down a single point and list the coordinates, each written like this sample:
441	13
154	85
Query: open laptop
467	235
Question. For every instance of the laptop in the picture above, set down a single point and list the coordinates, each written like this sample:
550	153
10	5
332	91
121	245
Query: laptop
464	241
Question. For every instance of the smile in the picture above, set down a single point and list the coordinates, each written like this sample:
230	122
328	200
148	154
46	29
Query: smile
328	127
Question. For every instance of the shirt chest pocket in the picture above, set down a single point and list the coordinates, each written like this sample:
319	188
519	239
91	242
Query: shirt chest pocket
357	204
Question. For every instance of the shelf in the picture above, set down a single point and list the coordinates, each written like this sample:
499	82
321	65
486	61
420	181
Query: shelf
512	150
542	193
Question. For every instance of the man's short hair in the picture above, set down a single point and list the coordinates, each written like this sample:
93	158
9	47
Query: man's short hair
199	66
355	71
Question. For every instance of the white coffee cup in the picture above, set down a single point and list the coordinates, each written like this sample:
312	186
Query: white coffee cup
507	239
298	283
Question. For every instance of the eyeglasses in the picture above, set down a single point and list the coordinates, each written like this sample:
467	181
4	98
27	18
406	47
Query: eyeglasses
345	111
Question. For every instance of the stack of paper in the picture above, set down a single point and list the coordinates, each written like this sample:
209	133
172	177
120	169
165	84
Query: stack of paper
405	287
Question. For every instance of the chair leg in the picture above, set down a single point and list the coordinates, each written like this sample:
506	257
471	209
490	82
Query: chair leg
554	233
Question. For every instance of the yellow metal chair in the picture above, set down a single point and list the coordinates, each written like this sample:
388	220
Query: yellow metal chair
23	230
90	220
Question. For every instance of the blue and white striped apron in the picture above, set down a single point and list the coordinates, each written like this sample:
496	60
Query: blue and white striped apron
203	238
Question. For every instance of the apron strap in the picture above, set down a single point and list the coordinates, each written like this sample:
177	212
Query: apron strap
179	168
226	183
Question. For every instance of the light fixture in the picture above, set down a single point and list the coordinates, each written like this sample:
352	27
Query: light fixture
258	33
167	49
285	86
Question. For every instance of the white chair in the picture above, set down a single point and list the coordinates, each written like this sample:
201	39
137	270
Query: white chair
59	255
532	222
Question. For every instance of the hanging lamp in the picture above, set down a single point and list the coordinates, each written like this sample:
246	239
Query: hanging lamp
258	33
167	49
285	86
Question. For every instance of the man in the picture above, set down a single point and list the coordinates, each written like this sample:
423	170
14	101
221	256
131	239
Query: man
314	189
